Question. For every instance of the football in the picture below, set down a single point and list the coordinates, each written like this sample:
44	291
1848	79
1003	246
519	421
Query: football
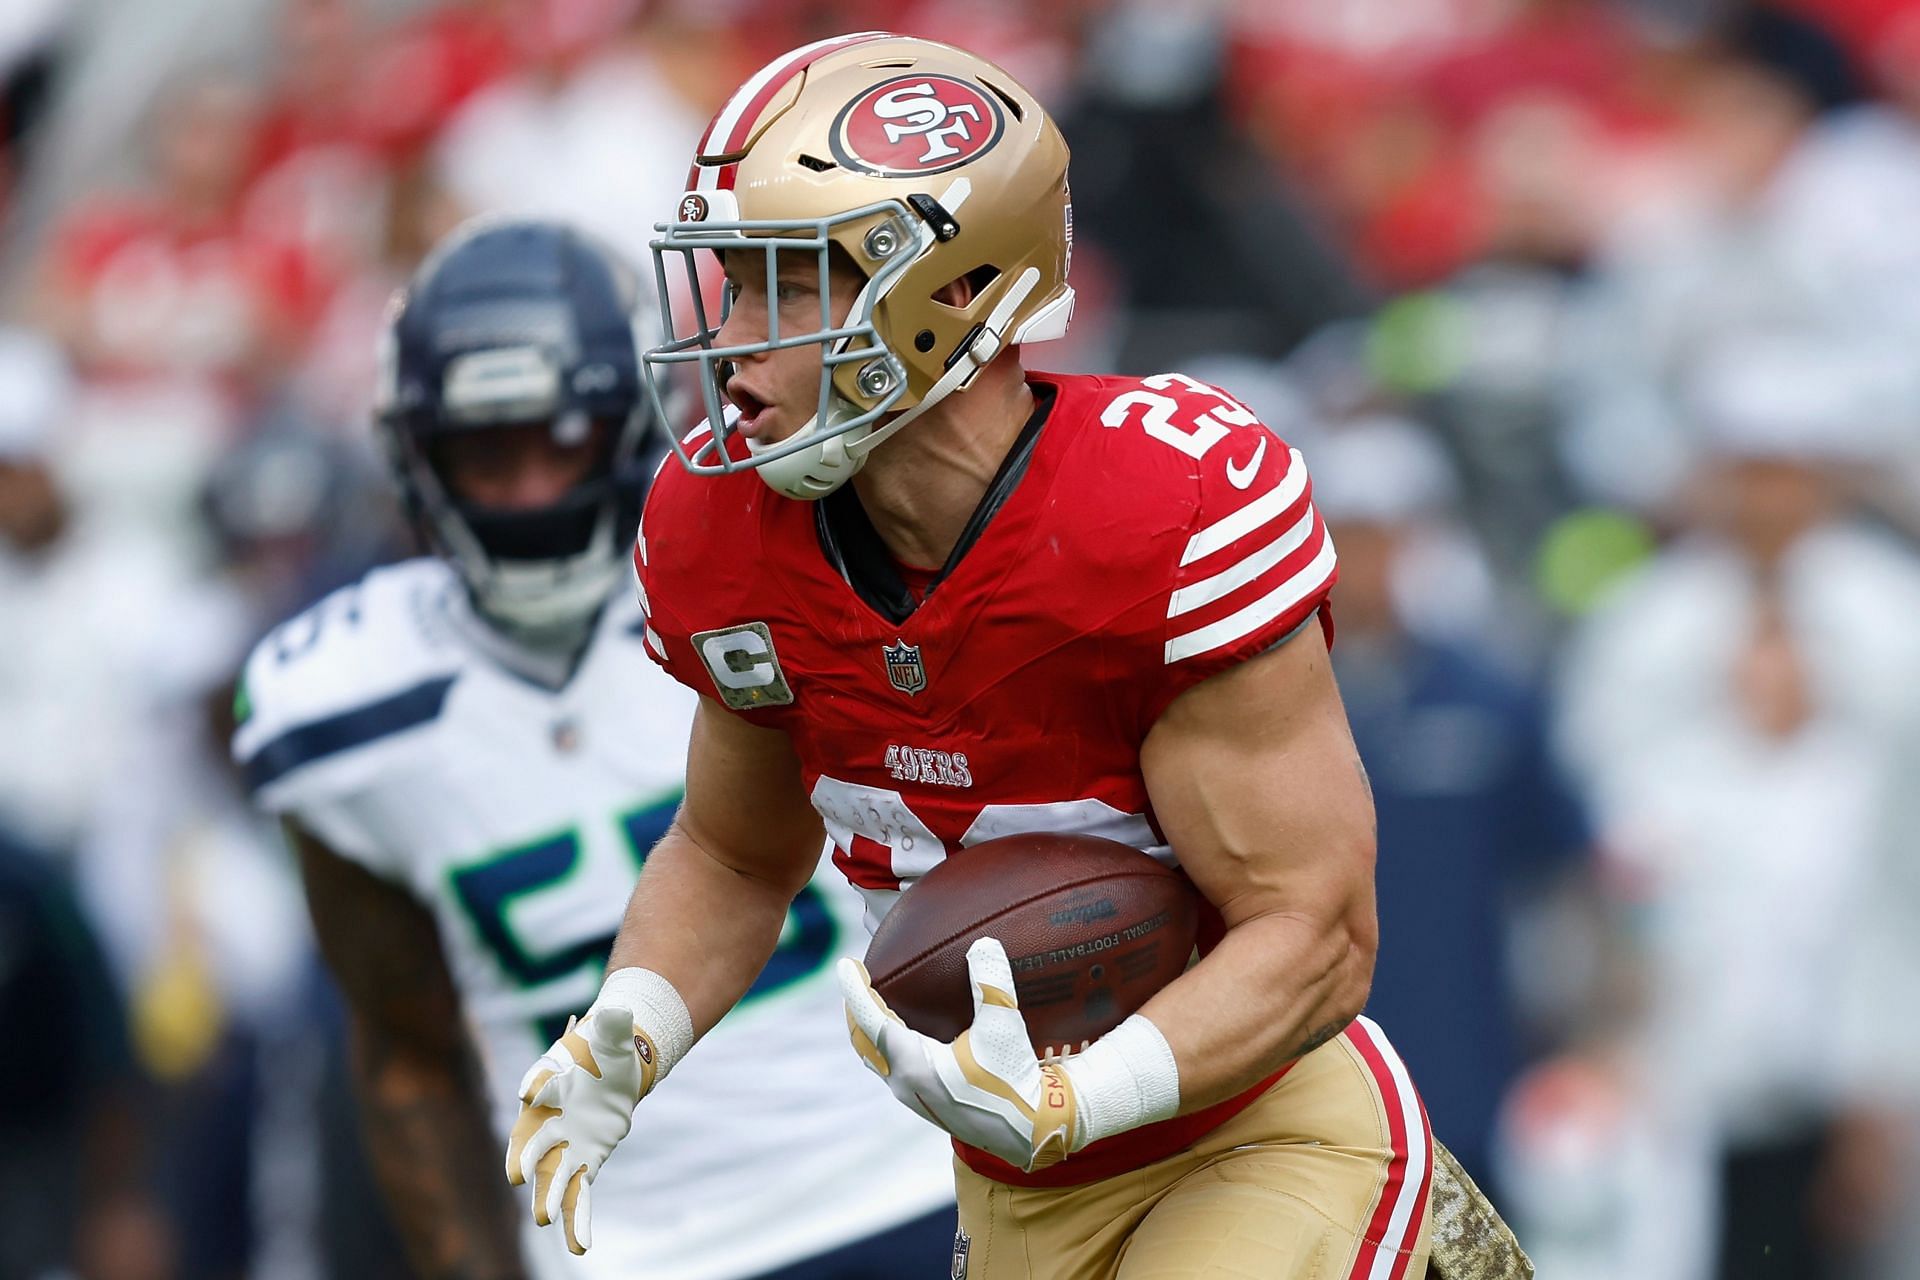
1092	927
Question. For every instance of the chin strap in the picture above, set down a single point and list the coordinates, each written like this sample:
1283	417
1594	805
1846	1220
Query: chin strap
809	474
980	353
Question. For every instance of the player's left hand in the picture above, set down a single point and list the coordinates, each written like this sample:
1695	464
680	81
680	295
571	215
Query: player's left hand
988	1088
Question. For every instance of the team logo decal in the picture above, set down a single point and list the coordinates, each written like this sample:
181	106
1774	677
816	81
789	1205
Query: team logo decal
693	207
962	1245
904	669
914	125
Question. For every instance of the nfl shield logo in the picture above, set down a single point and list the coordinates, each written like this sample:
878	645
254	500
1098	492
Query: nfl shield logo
961	1244
904	671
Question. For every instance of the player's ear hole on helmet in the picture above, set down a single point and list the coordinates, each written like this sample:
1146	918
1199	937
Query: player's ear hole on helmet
960	291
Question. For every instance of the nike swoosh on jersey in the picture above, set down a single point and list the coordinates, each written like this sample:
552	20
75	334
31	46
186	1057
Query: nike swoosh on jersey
1241	477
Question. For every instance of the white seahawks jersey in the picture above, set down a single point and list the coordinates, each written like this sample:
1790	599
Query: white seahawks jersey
520	816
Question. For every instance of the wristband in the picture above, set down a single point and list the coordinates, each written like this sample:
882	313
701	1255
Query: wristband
658	1012
1125	1079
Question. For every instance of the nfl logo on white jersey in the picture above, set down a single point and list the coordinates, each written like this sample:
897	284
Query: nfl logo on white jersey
904	670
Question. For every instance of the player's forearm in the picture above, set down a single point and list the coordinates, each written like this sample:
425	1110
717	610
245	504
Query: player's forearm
1275	988
437	1163
701	925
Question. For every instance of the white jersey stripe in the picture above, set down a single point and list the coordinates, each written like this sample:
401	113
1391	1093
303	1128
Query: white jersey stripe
1268	507
1402	1228
655	644
878	903
1207	590
1245	622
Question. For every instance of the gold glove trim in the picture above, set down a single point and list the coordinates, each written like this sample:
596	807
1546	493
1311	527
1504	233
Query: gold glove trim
867	1049
525	1125
1055	1120
543	1176
996	997
577	1048
569	1207
863	1044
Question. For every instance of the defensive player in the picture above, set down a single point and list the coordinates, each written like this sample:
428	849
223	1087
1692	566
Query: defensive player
473	756
969	600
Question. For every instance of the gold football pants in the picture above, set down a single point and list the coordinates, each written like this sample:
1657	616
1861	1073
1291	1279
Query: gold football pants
1325	1177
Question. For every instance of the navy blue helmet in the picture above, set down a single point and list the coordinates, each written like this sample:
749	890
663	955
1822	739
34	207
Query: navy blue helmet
519	324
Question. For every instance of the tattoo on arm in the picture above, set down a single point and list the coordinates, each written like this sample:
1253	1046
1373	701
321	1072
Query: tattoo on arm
1317	1038
422	1105
438	1166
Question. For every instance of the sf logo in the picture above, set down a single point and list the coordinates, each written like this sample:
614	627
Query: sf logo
916	125
919	112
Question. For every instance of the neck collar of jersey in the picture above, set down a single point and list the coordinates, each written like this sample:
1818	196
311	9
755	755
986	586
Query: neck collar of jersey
859	555
547	657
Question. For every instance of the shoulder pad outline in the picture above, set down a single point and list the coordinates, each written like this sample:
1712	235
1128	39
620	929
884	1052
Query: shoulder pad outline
357	667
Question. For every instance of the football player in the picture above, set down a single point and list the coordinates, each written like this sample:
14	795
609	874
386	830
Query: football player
473	757
929	597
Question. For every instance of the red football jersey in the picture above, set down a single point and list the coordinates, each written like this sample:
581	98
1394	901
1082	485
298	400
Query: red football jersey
1148	533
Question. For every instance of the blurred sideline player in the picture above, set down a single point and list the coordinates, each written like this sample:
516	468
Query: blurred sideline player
1046	604
473	758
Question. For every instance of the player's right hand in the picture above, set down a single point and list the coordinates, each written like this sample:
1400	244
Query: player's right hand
576	1103
988	1088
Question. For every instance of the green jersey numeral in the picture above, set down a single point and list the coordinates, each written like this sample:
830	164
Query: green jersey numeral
486	891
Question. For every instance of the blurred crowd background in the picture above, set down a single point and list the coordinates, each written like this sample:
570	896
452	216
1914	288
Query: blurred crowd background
1598	323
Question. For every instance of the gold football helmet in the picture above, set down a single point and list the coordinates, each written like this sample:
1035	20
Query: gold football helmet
925	164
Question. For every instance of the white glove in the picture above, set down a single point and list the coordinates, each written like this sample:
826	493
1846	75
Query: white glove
577	1100
990	1090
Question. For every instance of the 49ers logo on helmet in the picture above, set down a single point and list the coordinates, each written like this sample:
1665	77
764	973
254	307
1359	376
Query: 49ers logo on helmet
914	125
